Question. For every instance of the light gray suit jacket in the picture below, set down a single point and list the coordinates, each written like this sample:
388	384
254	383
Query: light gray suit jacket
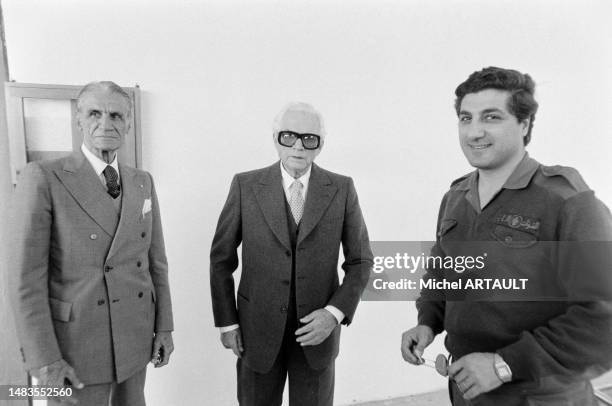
88	285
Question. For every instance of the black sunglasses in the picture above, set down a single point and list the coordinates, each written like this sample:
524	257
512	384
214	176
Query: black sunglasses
288	139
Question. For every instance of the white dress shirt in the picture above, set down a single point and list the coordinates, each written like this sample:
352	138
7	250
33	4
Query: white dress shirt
287	181
99	165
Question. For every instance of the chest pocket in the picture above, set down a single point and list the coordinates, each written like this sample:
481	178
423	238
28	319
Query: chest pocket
513	238
516	231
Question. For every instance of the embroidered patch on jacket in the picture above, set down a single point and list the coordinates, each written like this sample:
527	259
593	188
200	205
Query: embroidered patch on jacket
518	222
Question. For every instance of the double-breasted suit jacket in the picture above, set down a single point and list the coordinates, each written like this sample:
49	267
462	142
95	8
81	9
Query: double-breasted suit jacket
89	285
255	215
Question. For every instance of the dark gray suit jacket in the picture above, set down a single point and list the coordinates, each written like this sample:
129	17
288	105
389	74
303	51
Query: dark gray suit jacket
255	216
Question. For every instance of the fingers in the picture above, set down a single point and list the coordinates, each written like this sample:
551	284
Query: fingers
165	357
236	348
305	329
167	350
239	342
312	338
309	317
461	377
406	347
470	392
320	324
455	368
233	340
414	342
71	375
155	352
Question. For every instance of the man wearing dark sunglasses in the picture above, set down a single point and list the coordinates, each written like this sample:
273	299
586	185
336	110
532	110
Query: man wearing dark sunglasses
291	219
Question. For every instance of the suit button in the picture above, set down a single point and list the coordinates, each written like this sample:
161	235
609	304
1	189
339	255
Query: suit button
139	294
143	235
115	300
286	282
108	268
139	264
288	253
93	236
101	302
508	239
283	309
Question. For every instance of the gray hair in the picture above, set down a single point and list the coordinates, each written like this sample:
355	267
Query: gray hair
106	86
298	106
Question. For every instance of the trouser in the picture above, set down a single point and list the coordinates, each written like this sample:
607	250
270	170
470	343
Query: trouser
307	386
573	394
127	393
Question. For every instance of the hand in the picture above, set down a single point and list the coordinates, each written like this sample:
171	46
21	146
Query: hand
414	342
55	375
162	345
318	326
233	339
475	374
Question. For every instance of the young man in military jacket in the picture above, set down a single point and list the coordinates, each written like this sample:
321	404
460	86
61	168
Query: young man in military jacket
538	223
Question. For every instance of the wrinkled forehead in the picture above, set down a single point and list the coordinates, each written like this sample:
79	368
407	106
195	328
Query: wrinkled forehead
103	100
301	121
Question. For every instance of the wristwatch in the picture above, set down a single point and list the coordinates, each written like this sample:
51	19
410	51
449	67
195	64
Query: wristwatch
502	369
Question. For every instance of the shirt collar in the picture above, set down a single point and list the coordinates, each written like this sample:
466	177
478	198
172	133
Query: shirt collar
518	179
522	174
98	164
288	179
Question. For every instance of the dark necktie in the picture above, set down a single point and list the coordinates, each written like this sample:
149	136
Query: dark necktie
111	181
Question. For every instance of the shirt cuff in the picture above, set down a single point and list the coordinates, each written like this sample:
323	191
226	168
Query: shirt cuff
229	328
336	312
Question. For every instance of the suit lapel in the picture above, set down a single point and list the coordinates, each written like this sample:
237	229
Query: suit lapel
320	193
81	181
270	196
132	195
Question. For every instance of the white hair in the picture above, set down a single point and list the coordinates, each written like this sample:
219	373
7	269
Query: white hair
298	106
105	86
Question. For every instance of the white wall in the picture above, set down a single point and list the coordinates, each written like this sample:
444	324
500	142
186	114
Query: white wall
214	74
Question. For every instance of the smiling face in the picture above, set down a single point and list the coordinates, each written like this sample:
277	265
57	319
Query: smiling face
490	136
296	160
103	118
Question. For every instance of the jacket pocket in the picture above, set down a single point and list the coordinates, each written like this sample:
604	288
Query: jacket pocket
513	238
60	310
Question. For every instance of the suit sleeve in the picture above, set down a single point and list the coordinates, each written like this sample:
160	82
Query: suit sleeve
32	221
579	340
158	267
224	258
358	258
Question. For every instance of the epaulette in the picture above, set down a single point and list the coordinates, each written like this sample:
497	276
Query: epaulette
570	176
464	177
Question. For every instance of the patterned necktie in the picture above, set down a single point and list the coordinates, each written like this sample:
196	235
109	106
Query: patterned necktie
296	201
111	181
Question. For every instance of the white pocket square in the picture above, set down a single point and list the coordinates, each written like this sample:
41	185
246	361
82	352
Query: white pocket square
146	207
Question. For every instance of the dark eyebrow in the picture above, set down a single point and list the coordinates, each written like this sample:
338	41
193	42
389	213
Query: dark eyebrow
491	110
463	112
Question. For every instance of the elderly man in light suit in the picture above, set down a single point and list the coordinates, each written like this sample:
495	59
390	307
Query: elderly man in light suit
291	219
89	276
